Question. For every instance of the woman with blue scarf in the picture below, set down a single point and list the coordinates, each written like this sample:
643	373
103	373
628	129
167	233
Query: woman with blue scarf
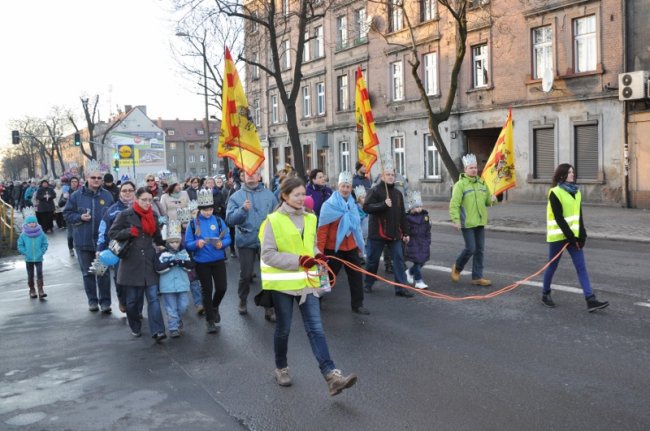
564	225
340	235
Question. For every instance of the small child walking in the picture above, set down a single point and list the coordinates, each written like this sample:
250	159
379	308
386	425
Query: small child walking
32	243
173	265
418	247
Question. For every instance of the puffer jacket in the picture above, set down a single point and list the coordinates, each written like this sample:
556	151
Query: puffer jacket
469	201
208	228
418	247
85	234
247	223
33	248
174	267
319	194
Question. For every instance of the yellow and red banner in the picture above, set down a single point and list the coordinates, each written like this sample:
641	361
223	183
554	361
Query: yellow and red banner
238	139
366	133
499	171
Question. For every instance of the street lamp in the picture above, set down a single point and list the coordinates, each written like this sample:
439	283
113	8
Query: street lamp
208	143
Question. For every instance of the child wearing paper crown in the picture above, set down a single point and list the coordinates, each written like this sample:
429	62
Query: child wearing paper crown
32	244
173	265
418	248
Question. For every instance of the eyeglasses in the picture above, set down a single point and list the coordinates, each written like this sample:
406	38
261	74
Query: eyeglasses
95	178
150	180
127	190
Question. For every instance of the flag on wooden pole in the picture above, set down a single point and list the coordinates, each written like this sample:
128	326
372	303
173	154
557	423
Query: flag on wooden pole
366	133
499	171
238	139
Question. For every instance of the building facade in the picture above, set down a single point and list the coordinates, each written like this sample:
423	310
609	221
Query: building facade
555	62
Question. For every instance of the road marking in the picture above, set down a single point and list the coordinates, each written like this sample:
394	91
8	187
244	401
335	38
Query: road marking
643	304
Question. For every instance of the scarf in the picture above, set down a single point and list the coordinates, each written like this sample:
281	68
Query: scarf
569	187
32	232
336	207
146	217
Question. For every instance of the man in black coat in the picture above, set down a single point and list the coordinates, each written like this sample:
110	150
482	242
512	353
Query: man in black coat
112	188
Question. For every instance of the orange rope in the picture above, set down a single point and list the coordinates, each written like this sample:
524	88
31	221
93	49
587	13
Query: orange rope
437	295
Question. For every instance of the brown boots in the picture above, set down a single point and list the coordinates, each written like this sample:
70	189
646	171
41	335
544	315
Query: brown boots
41	292
32	291
336	381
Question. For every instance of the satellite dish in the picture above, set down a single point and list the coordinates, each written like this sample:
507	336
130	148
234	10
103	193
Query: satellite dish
547	81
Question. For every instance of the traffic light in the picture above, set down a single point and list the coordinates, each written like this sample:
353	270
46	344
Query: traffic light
77	140
116	165
15	137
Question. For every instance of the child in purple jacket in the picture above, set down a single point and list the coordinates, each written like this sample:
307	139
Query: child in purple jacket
418	247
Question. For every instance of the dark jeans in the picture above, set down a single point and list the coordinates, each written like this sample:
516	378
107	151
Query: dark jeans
375	247
60	221
233	248
310	311
416	271
208	273
248	258
474	246
30	272
578	257
70	238
46	220
92	283
354	278
135	303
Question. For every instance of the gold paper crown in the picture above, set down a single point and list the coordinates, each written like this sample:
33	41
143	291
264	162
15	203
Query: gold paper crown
413	199
469	159
173	231
345	177
204	198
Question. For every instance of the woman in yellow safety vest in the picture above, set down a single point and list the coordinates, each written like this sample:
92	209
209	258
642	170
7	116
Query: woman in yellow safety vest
288	252
564	225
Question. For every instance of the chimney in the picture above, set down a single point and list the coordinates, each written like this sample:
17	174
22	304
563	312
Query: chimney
127	108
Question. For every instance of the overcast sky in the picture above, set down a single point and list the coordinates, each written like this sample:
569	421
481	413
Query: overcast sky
52	52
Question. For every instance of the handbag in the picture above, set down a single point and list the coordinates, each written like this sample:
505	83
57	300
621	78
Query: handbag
119	248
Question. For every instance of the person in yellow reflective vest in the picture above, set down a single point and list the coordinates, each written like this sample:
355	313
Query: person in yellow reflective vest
564	224
289	272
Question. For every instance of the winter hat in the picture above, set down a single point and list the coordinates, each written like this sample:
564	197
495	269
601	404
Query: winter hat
31	219
108	178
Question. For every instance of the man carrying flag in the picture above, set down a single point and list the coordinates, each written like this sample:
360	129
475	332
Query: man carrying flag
366	133
499	171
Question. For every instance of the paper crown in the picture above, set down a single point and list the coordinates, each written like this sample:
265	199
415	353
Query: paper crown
413	199
204	198
173	230
360	191
97	267
164	175
193	206
387	162
184	215
469	159
345	177
28	211
93	166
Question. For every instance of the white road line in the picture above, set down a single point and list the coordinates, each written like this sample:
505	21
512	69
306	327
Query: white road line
643	304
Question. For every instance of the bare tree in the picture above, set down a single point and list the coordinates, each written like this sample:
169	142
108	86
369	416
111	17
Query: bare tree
14	161
54	123
90	115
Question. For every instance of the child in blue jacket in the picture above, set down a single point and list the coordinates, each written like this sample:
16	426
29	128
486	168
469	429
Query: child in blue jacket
32	243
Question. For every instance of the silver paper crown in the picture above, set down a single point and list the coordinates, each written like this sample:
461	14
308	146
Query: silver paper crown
93	166
193	206
184	215
413	199
387	161
345	177
469	159
28	211
204	198
164	175
173	231
97	268
360	192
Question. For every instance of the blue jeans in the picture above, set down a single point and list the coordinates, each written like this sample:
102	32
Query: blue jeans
375	247
416	272
175	307
134	303
474	246
310	311
92	283
197	297
578	257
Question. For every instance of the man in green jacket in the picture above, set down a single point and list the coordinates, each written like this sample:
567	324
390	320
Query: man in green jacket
468	211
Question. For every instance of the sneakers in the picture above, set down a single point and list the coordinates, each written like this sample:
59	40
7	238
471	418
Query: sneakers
159	336
481	282
282	377
360	310
547	300
233	255
93	307
420	284
136	334
409	277
212	328
107	310
593	304
175	333
455	273
336	381
405	293
269	314
72	253
241	308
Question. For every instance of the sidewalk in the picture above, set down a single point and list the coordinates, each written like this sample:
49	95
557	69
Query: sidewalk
622	224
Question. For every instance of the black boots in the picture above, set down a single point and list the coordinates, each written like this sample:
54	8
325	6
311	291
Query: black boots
593	304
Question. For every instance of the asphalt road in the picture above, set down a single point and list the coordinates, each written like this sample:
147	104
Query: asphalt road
506	363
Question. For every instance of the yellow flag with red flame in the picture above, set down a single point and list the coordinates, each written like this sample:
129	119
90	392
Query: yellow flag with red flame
499	171
366	132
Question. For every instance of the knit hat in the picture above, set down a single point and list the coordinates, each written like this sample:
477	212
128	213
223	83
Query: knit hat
108	178
31	219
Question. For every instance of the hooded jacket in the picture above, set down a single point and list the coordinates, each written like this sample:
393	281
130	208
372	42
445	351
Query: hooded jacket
470	198
247	223
85	234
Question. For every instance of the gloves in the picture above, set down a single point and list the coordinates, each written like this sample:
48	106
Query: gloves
573	242
307	261
134	231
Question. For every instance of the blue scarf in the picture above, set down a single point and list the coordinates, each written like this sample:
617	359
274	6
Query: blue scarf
336	207
569	187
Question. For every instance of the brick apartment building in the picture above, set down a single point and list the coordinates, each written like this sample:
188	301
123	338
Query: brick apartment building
511	46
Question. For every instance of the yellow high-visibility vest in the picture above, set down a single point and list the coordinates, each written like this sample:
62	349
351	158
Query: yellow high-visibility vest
570	212
289	240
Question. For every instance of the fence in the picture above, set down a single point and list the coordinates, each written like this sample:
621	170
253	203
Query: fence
7	223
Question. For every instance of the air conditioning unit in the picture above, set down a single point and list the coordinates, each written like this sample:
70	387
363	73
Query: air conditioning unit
633	85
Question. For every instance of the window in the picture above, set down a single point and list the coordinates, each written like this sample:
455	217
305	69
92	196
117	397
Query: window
396	15
257	119
320	98
200	132
480	66
255	70
544	153
427	10
344	151
306	52
430	64
275	117
319	45
170	132
397	81
172	145
431	158
204	171
191	158
191	147
306	102
288	155
286	54
586	151
584	30
361	25
306	156
542	51
397	145
342	90
341	31
201	157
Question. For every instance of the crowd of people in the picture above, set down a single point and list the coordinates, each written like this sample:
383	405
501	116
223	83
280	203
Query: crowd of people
172	239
